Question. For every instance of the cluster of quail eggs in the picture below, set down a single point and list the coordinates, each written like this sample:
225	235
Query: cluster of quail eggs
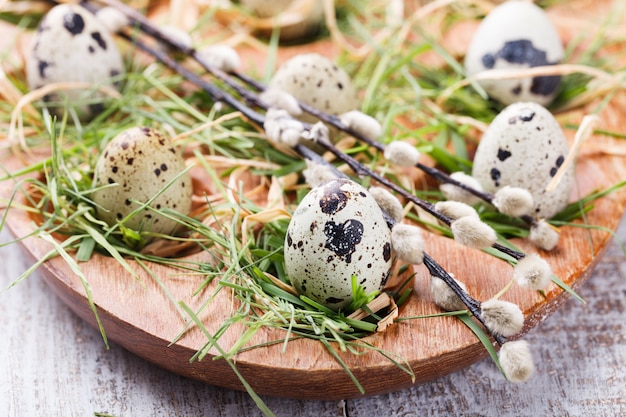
338	234
140	172
338	231
524	146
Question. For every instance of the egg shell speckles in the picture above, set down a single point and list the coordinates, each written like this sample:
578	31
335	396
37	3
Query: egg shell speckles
337	231
516	34
141	162
315	80
72	45
524	147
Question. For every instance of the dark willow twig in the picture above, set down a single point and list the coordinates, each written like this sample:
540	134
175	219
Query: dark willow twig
337	123
473	305
142	23
255	117
148	28
218	94
145	26
357	167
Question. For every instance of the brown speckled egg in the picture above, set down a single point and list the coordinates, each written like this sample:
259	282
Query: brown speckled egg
72	45
524	147
337	231
137	164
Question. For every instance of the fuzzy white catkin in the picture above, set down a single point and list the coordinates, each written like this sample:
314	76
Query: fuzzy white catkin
112	19
402	154
362	123
543	235
532	272
407	243
316	174
280	99
455	209
444	297
388	203
513	201
454	193
516	361
502	317
281	128
318	133
470	231
222	57
176	34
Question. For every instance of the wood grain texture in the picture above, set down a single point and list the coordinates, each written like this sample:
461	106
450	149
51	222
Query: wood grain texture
52	363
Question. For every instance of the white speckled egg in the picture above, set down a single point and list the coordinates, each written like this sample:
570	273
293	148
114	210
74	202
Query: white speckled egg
72	45
516	34
140	162
524	147
317	81
337	231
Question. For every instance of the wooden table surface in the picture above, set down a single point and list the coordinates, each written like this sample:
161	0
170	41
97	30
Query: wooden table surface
53	364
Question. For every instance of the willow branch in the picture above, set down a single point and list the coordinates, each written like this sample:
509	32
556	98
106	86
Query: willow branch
142	23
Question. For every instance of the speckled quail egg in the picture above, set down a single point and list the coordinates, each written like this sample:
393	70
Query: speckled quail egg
524	147
337	231
517	35
298	18
72	45
317	81
137	164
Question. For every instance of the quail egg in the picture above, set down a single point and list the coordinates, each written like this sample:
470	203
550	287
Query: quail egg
72	45
516	35
337	231
317	81
524	147
133	168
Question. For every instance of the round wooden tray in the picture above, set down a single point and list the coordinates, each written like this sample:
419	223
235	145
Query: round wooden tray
138	315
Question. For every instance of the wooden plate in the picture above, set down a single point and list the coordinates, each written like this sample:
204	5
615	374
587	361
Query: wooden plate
138	315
